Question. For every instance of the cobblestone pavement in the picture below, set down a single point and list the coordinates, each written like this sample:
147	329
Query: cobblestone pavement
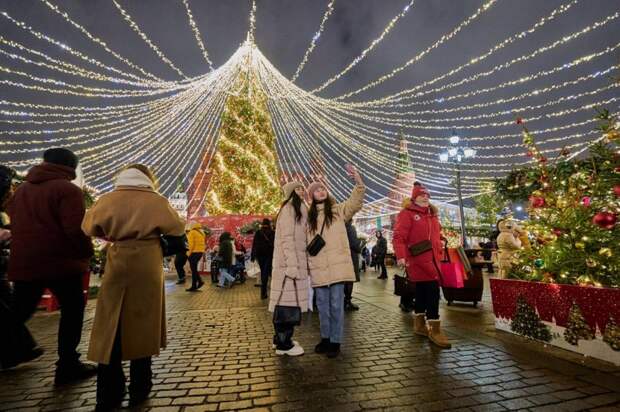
220	358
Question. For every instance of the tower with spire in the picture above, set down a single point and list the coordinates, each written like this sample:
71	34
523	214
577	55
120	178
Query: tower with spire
404	176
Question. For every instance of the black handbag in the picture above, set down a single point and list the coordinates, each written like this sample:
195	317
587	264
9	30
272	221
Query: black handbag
287	315
317	243
420	247
172	245
403	286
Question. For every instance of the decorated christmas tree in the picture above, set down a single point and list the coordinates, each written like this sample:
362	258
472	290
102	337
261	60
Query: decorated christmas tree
577	327
526	322
574	206
612	334
245	175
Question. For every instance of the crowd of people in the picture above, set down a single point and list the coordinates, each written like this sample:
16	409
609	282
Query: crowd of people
314	248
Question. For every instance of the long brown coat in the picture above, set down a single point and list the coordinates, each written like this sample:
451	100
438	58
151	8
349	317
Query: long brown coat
333	263
132	292
290	259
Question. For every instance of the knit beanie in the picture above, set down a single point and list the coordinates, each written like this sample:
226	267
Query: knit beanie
61	156
419	190
289	188
314	186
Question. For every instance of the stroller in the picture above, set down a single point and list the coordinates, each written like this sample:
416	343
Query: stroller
237	271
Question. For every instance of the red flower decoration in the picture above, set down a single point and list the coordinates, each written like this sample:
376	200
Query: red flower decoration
586	201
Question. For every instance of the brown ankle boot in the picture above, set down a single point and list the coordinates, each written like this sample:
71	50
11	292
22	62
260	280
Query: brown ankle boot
419	324
435	335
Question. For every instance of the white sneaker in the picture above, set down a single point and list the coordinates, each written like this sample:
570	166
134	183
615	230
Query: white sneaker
295	343
296	350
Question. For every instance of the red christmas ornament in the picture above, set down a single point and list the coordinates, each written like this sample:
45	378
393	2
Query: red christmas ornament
542	159
586	201
605	220
557	231
617	190
537	201
530	153
519	120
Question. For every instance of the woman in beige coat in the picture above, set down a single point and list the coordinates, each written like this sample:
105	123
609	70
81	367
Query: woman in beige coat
289	276
332	266
130	319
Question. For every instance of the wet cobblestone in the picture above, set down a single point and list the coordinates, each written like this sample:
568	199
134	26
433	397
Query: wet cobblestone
219	358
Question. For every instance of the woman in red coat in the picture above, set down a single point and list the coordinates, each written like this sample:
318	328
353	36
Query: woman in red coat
418	247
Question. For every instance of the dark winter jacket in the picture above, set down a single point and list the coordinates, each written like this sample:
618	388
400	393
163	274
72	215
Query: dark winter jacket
356	248
46	216
380	249
262	246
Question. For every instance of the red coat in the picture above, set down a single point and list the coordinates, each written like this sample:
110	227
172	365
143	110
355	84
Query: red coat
46	216
415	224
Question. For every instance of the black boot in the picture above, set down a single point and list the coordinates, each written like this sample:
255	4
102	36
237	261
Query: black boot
323	346
334	350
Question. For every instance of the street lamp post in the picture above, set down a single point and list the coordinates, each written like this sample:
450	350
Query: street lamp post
455	155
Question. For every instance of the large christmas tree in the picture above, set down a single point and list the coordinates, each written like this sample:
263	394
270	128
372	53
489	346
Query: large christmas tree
244	168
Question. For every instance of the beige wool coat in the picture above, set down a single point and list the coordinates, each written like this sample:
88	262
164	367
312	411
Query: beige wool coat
131	296
290	259
333	264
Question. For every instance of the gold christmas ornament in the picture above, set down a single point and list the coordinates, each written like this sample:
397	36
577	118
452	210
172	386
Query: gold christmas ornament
580	245
605	251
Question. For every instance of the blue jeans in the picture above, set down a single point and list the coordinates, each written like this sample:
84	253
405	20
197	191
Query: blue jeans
226	277
330	301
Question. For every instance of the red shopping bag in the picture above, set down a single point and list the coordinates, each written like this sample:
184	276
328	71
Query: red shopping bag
452	275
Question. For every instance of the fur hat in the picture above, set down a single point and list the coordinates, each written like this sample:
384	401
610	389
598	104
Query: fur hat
419	190
61	156
314	187
289	188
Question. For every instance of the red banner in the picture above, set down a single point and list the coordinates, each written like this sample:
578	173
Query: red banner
231	224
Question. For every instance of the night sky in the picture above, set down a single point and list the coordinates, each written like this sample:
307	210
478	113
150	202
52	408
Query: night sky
284	30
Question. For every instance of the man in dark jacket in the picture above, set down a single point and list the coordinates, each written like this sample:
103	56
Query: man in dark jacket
262	250
380	251
16	345
49	250
356	250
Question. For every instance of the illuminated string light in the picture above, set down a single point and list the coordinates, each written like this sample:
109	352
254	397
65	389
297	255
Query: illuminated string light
66	48
315	39
418	57
148	41
367	50
197	35
399	96
100	42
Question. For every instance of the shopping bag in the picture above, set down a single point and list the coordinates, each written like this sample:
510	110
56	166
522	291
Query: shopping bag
252	269
452	275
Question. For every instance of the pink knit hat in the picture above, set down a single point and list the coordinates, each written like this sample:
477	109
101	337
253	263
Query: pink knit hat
314	187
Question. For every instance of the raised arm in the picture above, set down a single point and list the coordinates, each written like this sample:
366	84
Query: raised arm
356	200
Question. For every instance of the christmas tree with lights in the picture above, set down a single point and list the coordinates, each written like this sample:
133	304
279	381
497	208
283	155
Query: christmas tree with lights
245	174
526	322
612	334
573	208
577	328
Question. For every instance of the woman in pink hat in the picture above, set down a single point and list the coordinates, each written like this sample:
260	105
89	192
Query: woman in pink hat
332	265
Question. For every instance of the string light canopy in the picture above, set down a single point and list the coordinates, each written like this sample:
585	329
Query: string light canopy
174	122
